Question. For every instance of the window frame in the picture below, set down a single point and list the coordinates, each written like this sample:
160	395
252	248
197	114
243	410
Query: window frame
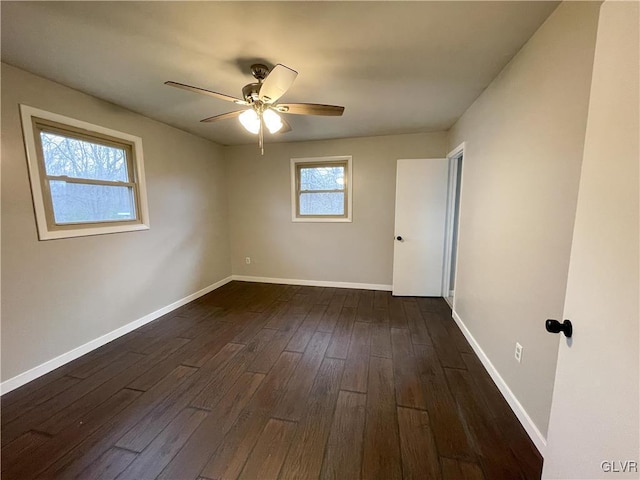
34	121
297	164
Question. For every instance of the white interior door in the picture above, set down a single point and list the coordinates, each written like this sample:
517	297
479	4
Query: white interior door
593	428
421	210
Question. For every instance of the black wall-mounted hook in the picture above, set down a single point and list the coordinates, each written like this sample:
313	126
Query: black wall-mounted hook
554	326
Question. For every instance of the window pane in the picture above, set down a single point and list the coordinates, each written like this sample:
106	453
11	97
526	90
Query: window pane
83	159
81	203
322	178
322	203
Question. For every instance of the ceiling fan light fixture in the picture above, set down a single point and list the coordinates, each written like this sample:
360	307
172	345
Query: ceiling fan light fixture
250	120
272	120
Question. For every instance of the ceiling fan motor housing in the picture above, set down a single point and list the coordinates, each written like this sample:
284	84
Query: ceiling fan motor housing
251	92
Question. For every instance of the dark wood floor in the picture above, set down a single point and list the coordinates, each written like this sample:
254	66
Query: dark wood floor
258	381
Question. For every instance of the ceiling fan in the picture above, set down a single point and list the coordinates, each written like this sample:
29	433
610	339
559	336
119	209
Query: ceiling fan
261	98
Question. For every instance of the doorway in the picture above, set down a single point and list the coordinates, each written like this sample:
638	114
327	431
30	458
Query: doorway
455	159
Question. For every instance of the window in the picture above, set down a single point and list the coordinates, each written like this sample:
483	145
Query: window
321	189
85	179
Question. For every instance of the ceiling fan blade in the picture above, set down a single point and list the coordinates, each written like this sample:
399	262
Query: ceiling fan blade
277	83
285	126
310	109
222	116
220	96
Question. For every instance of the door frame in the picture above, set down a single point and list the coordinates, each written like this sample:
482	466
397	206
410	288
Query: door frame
452	158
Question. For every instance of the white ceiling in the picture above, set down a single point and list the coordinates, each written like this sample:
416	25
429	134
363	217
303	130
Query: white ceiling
397	67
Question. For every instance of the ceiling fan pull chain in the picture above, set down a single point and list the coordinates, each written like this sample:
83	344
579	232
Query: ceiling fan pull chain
261	136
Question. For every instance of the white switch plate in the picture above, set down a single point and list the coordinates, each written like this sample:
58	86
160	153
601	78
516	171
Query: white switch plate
247	260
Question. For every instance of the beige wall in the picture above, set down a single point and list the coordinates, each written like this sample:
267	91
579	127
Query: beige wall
524	142
60	294
359	252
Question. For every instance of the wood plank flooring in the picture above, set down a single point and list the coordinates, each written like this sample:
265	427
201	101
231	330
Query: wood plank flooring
260	381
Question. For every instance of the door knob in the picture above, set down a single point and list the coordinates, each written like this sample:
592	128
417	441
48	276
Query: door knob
554	326
399	238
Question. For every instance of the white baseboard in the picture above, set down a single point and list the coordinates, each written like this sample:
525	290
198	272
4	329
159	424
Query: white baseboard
532	430
449	301
313	283
60	360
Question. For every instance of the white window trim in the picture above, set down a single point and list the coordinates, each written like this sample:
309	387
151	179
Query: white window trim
341	158
44	233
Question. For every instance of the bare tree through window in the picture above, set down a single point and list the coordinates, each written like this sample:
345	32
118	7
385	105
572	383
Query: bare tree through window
68	158
322	190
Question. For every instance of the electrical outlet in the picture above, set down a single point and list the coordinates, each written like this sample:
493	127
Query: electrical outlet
247	260
518	353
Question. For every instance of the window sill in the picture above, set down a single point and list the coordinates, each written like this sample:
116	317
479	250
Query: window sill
321	220
90	231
